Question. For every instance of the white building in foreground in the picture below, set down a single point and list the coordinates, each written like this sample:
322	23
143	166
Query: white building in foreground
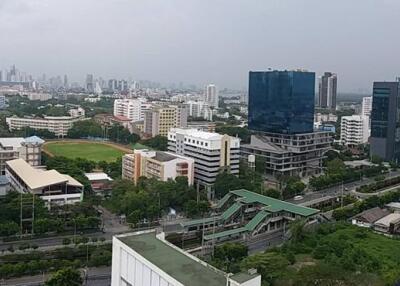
49	185
147	259
354	130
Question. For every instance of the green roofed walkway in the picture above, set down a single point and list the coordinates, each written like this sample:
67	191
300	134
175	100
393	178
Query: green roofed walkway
235	231
231	211
255	221
223	201
274	205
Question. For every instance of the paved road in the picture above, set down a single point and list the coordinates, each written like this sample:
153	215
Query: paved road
335	191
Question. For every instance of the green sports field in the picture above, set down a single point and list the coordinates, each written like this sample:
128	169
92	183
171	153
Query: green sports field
91	151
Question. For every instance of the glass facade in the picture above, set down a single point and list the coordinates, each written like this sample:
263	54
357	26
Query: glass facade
385	121
281	101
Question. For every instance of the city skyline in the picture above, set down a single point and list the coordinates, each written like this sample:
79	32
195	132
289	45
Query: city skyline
149	40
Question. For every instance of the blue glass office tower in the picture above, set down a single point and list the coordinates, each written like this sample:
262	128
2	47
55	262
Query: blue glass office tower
281	101
385	121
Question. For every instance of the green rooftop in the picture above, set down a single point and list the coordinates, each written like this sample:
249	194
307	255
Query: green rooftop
243	277
200	221
274	205
230	211
173	262
252	224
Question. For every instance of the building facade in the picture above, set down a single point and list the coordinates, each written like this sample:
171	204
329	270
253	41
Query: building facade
59	125
385	121
49	185
212	153
129	108
327	90
211	94
156	164
160	119
289	155
354	130
281	101
366	106
28	149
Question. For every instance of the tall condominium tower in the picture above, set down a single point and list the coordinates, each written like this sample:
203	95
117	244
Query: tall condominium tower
327	90
385	121
211	93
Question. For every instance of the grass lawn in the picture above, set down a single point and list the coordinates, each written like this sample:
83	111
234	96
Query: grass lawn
91	151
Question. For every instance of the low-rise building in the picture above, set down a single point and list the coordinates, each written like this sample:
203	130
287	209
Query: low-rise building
28	149
146	258
206	126
49	185
156	164
212	153
389	224
100	182
368	217
354	130
59	125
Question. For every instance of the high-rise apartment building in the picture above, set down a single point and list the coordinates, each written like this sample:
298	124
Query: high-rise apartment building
211	94
281	111
385	121
160	119
212	153
366	106
327	91
281	101
129	108
354	130
2	102
156	164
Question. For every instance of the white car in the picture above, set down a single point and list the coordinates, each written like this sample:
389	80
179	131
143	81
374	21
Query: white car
298	198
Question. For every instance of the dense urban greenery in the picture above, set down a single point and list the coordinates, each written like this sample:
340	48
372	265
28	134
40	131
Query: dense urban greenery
150	199
242	132
332	254
157	143
65	277
380	184
57	220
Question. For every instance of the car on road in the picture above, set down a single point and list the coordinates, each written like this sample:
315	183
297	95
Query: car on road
298	198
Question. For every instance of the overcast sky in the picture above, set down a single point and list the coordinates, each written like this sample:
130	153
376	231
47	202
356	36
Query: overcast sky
200	41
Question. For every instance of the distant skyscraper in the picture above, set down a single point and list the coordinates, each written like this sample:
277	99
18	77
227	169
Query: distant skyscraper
366	106
89	83
385	121
66	84
212	95
281	101
327	90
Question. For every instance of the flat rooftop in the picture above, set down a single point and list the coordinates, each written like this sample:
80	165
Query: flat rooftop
173	262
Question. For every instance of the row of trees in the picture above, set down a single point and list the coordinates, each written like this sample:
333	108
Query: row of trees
150	198
91	129
360	206
337	172
380	184
36	262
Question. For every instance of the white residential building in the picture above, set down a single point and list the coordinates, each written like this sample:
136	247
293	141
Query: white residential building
130	108
366	106
199	109
49	185
59	125
212	152
211	94
157	164
354	130
29	149
148	259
